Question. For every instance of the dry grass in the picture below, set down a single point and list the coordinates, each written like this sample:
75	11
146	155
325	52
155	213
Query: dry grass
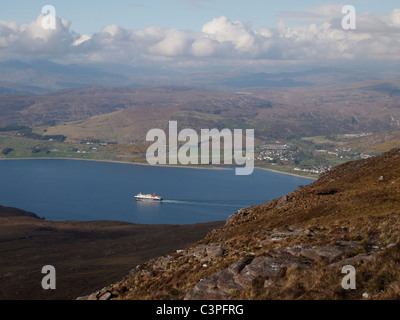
87	255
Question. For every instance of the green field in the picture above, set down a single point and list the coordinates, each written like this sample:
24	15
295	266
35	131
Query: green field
302	153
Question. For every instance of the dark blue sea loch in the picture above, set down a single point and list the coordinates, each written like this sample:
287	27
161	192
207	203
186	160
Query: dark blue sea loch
88	190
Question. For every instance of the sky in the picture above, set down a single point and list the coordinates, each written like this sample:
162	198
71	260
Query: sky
91	16
198	33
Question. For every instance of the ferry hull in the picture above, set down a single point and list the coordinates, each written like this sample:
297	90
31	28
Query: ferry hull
148	199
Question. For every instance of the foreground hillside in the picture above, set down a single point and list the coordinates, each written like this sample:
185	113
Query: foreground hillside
293	247
86	255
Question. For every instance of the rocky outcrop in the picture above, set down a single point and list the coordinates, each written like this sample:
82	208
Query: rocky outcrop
205	253
202	253
238	216
241	274
329	253
279	235
214	252
282	202
103	294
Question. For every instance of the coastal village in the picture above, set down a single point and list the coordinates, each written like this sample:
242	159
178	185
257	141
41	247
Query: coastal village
309	161
301	155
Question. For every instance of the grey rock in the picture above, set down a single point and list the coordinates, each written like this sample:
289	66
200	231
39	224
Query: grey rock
206	289
277	235
105	296
197	251
348	244
331	253
353	260
241	274
239	265
92	296
282	202
226	281
214	252
161	262
295	251
238	215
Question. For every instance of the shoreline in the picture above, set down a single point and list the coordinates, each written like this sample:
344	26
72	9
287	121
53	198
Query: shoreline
120	162
287	173
162	165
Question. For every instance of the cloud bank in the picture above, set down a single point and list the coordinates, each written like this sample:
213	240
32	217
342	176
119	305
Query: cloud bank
221	41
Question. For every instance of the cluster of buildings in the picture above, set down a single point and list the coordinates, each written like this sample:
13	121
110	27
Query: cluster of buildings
316	170
282	153
274	152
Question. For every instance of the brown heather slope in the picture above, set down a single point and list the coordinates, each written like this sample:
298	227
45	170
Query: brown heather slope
86	255
128	114
82	103
293	247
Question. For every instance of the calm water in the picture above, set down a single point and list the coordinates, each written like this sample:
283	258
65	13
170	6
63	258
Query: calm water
84	190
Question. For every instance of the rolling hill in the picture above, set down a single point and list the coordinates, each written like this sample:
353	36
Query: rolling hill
322	125
273	113
279	112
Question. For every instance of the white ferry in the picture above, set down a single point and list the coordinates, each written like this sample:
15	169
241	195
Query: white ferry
147	197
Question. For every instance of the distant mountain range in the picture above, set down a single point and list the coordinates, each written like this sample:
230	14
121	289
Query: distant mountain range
43	76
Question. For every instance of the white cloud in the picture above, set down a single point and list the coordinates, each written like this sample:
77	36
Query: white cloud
174	43
395	18
203	47
221	41
83	38
34	39
224	30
